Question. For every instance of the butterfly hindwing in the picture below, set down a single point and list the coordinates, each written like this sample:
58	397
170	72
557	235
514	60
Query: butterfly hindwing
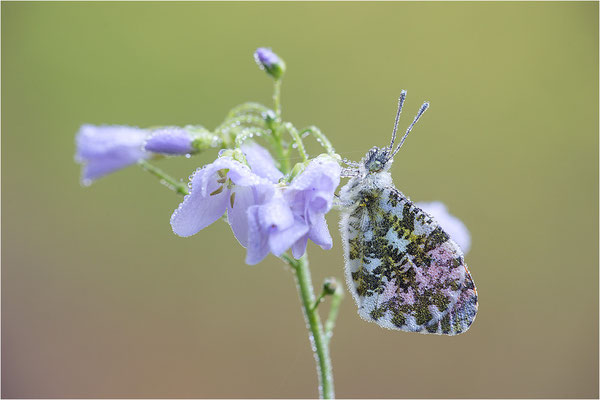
402	268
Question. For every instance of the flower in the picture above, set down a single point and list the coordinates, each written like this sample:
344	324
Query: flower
310	197
270	62
170	140
294	214
272	228
105	149
266	216
449	223
224	185
228	185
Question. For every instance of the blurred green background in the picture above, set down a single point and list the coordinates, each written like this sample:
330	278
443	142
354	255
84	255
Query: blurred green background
101	299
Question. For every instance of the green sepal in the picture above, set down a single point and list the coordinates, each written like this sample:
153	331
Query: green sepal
236	154
297	169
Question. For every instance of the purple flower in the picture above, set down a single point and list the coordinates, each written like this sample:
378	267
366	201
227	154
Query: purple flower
105	149
265	216
296	214
170	140
310	197
449	223
273	228
224	185
270	62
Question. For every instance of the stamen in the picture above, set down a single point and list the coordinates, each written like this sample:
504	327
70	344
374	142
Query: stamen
219	190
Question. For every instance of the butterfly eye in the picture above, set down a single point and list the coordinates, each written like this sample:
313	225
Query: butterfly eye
375	166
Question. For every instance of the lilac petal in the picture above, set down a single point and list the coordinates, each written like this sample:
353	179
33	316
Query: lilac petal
237	216
261	162
319	232
258	246
239	174
275	215
199	209
453	226
175	141
99	167
281	240
321	201
105	149
299	247
320	174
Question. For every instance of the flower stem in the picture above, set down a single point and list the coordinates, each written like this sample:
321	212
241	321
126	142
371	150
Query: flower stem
334	308
297	139
165	178
277	98
319	342
321	138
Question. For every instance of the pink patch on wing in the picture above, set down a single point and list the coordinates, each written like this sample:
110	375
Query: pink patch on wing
389	292
408	297
443	255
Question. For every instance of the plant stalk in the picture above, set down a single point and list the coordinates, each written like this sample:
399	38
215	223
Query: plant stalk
165	179
319	342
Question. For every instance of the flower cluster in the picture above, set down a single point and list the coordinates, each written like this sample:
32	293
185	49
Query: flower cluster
266	216
269	208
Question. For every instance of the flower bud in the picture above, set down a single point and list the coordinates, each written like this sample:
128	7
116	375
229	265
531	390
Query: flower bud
170	140
330	286
270	62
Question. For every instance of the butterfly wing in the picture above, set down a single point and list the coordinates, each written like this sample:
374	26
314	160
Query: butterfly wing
402	268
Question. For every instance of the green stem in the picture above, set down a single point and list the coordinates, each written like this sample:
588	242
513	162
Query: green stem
321	138
277	98
297	139
334	308
165	178
275	126
317	337
318	301
247	109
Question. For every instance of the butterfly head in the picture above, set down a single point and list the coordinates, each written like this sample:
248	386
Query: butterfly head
377	160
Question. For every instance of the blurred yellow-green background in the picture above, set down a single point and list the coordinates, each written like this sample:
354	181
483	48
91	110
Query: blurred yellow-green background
101	299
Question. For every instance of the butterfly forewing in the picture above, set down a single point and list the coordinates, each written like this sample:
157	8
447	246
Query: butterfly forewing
403	270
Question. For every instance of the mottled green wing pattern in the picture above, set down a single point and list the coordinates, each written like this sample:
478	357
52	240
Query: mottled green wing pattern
403	270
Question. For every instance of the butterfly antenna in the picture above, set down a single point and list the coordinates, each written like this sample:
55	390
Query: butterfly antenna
400	104
423	108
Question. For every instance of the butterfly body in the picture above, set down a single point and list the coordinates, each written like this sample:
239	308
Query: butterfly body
402	268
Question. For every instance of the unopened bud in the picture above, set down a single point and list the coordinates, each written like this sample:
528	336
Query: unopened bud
330	286
270	62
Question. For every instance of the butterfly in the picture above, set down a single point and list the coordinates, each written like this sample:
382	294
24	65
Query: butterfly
402	268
